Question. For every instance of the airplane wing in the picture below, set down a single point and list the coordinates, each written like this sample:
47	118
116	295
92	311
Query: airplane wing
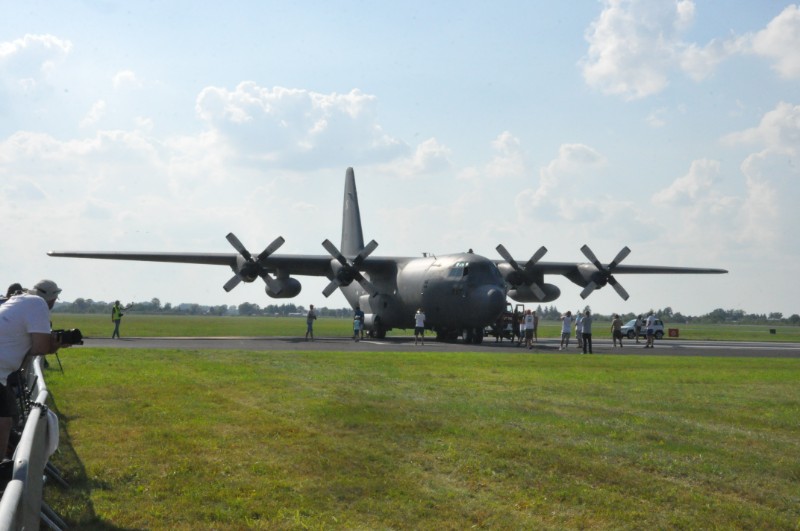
567	268
309	265
589	275
247	267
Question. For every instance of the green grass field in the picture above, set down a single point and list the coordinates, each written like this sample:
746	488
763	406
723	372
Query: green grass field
342	440
185	325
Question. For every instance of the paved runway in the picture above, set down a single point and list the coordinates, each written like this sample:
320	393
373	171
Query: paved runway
665	347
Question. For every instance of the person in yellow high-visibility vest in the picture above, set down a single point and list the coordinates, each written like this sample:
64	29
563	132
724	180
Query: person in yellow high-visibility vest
116	317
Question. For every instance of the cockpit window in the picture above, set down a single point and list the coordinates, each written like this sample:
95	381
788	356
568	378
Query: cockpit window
485	272
459	269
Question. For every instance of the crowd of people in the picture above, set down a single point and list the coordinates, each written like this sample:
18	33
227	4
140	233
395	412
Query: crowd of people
582	323
525	328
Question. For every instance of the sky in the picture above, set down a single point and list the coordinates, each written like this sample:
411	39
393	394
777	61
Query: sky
672	127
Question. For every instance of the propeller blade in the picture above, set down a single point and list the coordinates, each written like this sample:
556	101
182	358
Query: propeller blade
618	288
271	248
365	252
507	256
591	257
274	287
330	288
234	241
538	291
334	252
536	257
590	287
232	283
368	286
619	258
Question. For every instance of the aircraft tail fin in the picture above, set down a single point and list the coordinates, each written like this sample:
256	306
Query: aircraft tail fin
352	236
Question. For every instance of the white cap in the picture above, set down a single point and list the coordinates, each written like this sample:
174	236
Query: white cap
46	289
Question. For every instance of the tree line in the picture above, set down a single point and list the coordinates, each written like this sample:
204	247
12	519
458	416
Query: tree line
552	313
154	306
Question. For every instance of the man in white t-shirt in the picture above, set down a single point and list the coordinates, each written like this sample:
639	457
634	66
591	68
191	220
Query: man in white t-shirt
566	328
419	326
528	329
24	330
650	330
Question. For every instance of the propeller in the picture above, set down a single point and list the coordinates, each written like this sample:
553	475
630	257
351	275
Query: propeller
349	270
253	267
603	274
524	274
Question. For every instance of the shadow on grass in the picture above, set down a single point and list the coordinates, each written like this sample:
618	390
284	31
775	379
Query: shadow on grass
74	503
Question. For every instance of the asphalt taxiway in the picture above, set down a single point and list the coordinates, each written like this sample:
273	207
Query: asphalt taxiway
666	347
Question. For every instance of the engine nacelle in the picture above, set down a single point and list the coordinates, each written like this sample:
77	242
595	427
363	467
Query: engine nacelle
247	271
286	288
525	294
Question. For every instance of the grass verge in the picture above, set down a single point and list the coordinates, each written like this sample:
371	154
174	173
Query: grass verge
229	440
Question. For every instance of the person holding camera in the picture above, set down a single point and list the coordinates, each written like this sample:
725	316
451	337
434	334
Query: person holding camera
24	330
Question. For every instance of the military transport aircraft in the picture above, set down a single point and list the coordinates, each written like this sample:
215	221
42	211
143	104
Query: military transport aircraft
460	293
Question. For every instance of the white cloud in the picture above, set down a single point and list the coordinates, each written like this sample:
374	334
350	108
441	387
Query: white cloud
32	56
656	118
298	127
563	183
95	114
770	207
508	160
708	217
780	41
636	45
779	128
126	78
429	157
632	46
693	186
772	178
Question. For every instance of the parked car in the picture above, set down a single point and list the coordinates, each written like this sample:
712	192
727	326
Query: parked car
629	329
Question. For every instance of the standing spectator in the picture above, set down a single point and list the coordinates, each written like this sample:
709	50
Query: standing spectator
566	327
419	326
310	318
358	323
24	330
637	327
116	317
535	327
579	329
616	330
586	331
528	323
650	330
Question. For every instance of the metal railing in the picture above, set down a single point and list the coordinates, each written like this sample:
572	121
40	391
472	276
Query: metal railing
21	504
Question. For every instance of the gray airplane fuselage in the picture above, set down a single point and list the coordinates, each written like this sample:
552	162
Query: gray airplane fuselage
456	292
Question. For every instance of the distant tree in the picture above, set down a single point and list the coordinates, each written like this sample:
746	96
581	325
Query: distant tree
247	308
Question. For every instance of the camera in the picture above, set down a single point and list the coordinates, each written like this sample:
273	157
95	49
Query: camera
69	337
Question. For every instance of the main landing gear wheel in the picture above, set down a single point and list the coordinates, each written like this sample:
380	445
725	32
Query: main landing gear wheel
472	335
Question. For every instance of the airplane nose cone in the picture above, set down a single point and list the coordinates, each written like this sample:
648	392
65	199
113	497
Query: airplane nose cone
496	301
487	305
